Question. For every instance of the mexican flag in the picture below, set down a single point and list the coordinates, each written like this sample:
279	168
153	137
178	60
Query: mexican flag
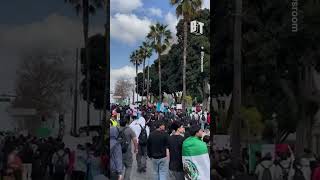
195	158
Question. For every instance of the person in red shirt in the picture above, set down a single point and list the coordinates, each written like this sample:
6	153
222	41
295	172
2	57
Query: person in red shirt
316	174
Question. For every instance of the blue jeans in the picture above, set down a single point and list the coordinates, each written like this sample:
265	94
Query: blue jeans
160	168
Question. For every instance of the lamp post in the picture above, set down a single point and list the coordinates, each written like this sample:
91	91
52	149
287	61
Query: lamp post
275	127
202	75
202	56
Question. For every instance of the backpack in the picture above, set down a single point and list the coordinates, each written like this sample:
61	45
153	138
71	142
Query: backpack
193	118
143	138
60	166
285	172
123	140
266	175
203	118
298	175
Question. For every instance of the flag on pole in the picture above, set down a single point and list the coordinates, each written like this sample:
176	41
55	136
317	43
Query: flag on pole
195	158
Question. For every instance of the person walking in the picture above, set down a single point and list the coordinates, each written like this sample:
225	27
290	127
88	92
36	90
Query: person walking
175	148
115	155
266	170
127	136
26	156
158	151
60	162
80	164
195	157
15	165
142	131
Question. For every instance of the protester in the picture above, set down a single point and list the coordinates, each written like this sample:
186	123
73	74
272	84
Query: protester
15	165
158	151
128	137
116	168
316	173
80	164
175	148
266	170
60	162
142	131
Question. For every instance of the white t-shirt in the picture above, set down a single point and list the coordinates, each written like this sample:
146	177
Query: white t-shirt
135	126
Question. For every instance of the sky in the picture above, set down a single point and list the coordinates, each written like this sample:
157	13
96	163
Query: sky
130	21
26	26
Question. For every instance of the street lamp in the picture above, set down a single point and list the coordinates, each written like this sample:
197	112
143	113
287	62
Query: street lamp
202	56
275	126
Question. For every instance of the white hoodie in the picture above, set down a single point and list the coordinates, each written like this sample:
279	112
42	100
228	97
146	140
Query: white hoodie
305	168
266	164
135	126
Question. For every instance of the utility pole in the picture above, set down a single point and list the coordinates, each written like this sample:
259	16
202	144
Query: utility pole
76	96
235	137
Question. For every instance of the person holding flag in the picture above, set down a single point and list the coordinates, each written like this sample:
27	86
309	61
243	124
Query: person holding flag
195	157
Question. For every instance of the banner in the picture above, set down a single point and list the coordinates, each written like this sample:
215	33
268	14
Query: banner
253	149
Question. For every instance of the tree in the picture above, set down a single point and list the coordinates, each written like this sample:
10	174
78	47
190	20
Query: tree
97	69
274	64
145	52
135	59
187	9
123	89
159	37
87	7
171	69
42	83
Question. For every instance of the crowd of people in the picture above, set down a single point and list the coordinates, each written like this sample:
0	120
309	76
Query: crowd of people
32	158
176	143
280	166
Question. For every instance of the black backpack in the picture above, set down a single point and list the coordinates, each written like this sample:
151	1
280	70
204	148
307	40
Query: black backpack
143	137
285	172
266	174
203	118
298	175
123	140
60	166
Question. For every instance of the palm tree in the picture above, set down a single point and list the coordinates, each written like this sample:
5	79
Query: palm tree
146	52
159	37
135	59
188	9
86	7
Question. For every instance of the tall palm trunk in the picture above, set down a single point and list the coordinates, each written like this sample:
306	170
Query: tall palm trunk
137	82
143	82
185	26
85	21
148	85
235	141
159	68
76	96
